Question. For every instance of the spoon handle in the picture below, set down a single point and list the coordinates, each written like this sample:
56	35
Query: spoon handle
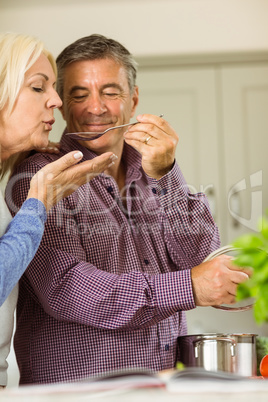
82	135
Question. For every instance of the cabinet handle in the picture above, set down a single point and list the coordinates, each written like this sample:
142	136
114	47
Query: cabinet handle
235	208
212	201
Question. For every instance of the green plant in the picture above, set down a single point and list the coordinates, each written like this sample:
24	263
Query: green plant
253	252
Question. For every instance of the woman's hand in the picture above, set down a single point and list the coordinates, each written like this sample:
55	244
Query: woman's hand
61	178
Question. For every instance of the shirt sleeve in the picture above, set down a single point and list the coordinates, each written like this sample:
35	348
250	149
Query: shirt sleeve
72	289
20	243
187	219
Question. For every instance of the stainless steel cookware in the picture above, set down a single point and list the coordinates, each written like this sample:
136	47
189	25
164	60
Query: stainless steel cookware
233	353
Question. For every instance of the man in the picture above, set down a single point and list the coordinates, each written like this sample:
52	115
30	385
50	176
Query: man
121	259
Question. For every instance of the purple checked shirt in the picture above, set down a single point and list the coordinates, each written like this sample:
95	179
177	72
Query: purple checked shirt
109	285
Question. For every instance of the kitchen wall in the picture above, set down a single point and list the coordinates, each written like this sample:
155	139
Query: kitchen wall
151	30
146	27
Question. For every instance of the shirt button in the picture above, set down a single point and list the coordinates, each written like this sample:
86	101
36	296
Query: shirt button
146	262
154	190
167	347
110	189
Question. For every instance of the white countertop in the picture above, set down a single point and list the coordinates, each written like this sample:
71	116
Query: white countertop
188	390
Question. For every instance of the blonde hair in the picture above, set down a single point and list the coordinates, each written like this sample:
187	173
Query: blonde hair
18	53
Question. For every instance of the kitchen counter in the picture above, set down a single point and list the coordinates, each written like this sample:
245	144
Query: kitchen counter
144	396
140	388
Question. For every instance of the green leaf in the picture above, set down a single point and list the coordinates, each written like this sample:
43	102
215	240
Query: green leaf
263	292
243	291
260	311
248	241
247	289
263	227
251	258
253	252
261	276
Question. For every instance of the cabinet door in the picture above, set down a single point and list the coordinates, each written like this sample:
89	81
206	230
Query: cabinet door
221	116
187	99
243	138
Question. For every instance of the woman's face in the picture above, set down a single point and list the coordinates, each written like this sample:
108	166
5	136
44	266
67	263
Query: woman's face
31	119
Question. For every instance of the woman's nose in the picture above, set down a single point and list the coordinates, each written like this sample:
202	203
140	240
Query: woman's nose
54	100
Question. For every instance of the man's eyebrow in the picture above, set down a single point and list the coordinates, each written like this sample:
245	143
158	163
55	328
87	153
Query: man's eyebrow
77	88
112	85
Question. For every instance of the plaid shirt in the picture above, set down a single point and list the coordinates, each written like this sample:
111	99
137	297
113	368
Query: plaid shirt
109	285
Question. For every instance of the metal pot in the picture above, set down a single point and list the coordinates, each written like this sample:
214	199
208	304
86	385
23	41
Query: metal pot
233	353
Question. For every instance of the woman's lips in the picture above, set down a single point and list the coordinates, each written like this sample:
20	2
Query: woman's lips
49	124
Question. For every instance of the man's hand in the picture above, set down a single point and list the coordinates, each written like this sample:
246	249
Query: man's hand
215	282
156	141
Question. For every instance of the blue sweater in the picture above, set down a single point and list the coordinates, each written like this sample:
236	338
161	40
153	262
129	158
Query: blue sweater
20	243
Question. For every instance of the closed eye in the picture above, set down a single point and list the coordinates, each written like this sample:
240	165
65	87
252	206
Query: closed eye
79	98
111	95
37	89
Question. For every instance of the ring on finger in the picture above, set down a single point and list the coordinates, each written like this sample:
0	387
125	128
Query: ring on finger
147	139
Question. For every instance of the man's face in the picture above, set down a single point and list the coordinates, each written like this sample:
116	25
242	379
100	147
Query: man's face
96	96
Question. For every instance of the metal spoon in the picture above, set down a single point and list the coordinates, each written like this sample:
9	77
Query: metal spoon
93	135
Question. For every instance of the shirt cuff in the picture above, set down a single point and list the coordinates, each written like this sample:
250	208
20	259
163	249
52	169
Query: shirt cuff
171	188
174	291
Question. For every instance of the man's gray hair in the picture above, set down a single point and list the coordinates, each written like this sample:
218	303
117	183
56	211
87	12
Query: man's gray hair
95	47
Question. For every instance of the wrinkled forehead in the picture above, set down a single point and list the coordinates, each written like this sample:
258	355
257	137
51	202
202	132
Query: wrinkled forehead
100	72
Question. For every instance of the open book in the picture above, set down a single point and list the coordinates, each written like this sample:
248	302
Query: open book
188	380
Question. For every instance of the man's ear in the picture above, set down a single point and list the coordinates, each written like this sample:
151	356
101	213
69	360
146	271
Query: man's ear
135	100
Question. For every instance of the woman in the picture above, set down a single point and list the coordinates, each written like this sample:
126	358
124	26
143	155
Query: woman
27	101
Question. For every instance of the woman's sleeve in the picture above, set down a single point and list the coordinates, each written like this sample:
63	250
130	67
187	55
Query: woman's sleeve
20	243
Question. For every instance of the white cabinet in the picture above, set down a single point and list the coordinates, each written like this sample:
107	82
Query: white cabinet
220	112
244	125
221	115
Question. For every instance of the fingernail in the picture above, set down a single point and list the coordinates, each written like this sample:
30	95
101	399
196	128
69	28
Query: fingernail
111	164
78	155
113	157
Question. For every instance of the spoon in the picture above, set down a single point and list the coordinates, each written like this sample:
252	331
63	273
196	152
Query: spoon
93	135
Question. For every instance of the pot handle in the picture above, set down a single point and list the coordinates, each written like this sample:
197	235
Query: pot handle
215	338
214	254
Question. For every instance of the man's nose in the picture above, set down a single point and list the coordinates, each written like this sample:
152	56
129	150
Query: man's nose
96	105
